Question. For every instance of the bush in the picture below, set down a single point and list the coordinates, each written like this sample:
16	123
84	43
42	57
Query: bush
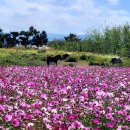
71	59
90	58
94	63
83	57
99	63
25	55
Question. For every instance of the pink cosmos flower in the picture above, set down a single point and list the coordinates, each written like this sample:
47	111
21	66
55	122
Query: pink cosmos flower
36	112
96	121
43	95
78	125
122	112
97	89
8	118
119	127
72	117
28	117
109	116
15	123
30	83
86	128
77	79
2	128
110	125
104	85
2	108
128	118
126	127
37	105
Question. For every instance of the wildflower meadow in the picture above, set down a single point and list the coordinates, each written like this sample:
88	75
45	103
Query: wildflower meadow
64	98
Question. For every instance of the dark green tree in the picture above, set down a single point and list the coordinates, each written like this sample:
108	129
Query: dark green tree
39	38
1	38
9	40
126	34
72	37
14	36
43	37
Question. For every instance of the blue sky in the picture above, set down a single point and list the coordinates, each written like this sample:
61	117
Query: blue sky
63	16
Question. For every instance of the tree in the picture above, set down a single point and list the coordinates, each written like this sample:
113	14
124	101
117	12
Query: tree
39	38
24	37
33	31
116	40
9	40
43	37
14	35
126	33
107	41
72	37
1	38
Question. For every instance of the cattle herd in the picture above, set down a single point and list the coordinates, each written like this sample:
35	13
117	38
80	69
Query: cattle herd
54	59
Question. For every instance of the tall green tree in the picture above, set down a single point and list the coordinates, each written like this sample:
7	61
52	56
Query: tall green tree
9	40
116	40
39	38
14	36
72	37
1	38
126	34
24	37
43	37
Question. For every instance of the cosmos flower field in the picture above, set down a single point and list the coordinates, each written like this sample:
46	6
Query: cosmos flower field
64	98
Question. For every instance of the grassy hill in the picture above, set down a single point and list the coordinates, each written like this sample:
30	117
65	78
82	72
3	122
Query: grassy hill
33	57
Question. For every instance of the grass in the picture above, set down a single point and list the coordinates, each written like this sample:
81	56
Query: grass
33	57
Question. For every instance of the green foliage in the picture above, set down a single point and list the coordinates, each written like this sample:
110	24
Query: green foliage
57	44
126	61
72	59
72	37
1	45
125	51
97	63
111	40
23	58
31	36
83	57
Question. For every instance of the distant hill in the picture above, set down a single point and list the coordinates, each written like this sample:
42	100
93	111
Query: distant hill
52	36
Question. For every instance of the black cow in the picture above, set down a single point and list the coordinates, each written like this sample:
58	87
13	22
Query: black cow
116	61
53	59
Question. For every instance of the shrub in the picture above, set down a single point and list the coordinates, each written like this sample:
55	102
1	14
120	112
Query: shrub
25	55
99	63
71	59
83	57
94	63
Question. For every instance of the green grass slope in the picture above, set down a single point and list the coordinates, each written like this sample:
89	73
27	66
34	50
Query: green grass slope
32	57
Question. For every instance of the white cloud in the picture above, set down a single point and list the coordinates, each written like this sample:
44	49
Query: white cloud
58	17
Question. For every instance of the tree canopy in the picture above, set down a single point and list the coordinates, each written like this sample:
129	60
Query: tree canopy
29	37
